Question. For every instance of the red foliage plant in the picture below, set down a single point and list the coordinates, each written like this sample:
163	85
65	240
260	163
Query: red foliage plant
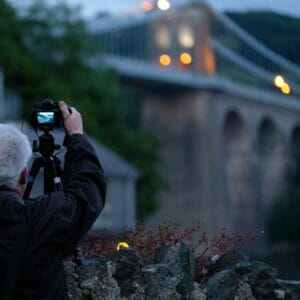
146	241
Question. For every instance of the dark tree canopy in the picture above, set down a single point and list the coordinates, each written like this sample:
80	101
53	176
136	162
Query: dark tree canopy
48	53
279	32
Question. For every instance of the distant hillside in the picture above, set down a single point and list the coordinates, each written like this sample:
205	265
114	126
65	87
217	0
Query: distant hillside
279	32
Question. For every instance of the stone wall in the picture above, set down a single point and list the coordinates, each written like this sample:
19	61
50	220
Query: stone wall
172	276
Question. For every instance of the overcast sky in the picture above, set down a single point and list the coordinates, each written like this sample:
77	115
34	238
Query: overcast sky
291	7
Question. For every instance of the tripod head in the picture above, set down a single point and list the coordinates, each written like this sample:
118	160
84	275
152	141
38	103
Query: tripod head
46	145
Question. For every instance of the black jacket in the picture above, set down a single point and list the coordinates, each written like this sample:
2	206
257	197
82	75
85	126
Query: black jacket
57	222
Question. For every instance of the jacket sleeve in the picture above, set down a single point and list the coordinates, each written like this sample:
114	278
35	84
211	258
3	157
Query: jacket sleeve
84	187
64	217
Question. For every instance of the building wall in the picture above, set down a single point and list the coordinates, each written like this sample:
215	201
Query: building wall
119	210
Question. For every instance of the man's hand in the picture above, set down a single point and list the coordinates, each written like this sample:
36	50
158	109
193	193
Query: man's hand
72	121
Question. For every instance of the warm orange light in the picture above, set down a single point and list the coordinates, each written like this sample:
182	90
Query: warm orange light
209	62
186	58
165	60
285	89
122	245
279	81
163	4
147	6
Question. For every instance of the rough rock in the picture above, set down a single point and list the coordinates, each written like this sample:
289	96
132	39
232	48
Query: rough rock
244	292
127	271
159	282
170	277
292	288
74	291
127	263
260	276
91	281
246	280
178	260
222	285
197	293
229	259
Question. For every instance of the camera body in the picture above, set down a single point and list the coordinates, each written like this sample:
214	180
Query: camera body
46	116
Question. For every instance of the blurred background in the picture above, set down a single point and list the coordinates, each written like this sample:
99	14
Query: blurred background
193	107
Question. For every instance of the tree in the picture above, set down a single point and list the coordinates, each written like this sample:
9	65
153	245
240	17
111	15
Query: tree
19	67
52	51
277	31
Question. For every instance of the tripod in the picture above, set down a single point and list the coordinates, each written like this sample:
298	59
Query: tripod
52	172
48	161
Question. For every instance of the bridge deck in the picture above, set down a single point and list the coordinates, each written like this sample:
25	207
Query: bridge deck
142	71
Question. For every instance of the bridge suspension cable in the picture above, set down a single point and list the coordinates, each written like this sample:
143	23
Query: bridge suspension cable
256	44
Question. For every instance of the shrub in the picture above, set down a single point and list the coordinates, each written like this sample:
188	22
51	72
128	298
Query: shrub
203	249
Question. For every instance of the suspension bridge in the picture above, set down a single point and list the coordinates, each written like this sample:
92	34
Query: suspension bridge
193	45
224	106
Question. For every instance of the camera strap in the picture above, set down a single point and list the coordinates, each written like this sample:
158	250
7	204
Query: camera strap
13	267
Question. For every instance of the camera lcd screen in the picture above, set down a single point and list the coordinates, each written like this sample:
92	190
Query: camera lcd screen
45	117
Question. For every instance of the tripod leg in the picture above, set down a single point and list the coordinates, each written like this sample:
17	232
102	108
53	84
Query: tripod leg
36	165
52	179
57	173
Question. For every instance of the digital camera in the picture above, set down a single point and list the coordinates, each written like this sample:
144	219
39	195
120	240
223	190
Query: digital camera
46	116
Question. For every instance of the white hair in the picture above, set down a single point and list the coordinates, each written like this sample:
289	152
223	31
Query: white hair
15	152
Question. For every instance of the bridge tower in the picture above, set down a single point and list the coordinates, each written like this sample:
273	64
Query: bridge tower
183	122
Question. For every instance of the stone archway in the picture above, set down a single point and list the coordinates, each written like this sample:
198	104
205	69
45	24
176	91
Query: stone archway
271	161
237	172
268	137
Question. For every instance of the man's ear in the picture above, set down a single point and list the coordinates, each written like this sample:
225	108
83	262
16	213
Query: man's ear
24	176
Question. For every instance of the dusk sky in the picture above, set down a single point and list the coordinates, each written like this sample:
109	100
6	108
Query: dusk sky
283	6
291	7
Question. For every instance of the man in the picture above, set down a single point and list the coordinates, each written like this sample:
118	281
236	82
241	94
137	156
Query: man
57	221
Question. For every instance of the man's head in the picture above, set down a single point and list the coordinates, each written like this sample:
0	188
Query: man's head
15	152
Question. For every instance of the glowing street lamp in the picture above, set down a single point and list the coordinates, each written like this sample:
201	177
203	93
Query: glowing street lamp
286	89
122	245
165	60
163	4
279	81
147	5
186	58
282	84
